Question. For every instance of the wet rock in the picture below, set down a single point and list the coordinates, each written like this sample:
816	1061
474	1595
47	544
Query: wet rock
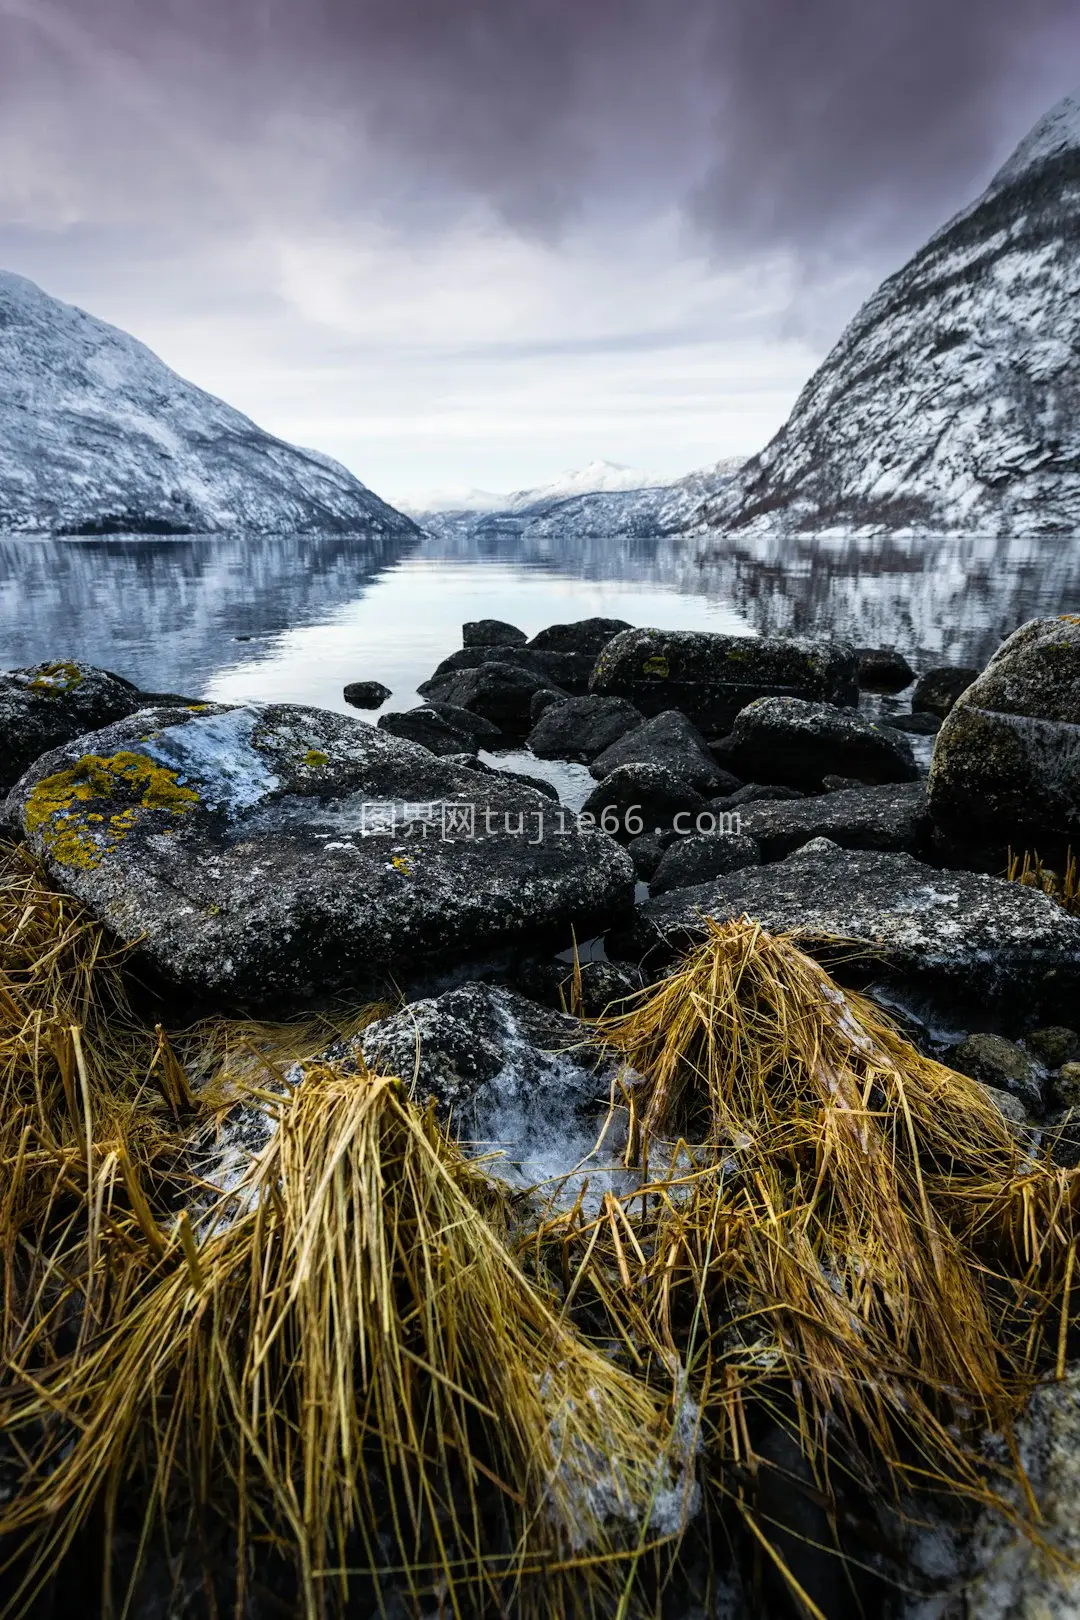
1066	1086
430	729
938	689
492	633
1007	759
499	692
893	816
883	669
642	793
701	857
1055	1045
710	677
271	855
508	1074
671	743
602	984
953	932
43	706
647	851
543	700
916	725
570	651
474	726
798	743
580	728
997	1062
366	694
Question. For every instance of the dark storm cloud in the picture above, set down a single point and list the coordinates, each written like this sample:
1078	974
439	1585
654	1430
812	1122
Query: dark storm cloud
776	124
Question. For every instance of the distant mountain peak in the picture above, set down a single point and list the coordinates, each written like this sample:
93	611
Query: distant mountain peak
97	435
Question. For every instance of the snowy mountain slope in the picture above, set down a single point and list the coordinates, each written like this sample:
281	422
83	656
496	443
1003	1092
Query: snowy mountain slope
952	401
97	435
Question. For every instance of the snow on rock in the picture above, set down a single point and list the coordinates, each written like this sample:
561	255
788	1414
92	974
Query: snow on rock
952	401
99	436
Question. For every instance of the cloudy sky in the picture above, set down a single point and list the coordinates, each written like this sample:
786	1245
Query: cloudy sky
475	242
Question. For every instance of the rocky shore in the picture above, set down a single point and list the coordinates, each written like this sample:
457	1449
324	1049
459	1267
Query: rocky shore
257	863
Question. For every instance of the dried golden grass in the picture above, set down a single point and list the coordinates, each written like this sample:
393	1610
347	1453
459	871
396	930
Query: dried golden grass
1063	886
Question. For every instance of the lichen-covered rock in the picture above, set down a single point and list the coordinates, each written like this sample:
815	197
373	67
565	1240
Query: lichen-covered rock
509	1076
492	633
579	728
1000	1063
1007	759
789	740
890	816
711	677
954	931
366	694
44	706
272	854
1066	1086
692	860
883	669
1055	1045
635	799
938	689
672	743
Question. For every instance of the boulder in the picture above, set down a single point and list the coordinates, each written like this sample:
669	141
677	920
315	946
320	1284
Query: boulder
703	856
883	669
430	729
957	932
938	689
498	691
916	725
1055	1045
711	677
671	743
475	657
647	851
542	700
645	793
273	855
580	728
1006	763
1066	1086
570	651
45	705
754	793
788	740
366	694
1003	1065
473	725
492	633
506	1073
891	816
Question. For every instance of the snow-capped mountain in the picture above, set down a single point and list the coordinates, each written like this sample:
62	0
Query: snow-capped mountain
952	401
97	435
599	477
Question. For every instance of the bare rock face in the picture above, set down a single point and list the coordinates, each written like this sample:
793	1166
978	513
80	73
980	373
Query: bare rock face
958	932
710	677
47	704
952	401
270	855
1007	759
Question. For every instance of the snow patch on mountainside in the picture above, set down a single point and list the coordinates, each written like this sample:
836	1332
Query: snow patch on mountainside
952	402
97	435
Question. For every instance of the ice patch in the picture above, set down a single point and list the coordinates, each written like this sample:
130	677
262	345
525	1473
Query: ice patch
214	754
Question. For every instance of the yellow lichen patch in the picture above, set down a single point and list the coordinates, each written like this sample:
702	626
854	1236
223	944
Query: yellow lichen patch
656	665
53	680
59	806
402	863
314	758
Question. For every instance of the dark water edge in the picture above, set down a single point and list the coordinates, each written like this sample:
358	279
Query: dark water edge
290	617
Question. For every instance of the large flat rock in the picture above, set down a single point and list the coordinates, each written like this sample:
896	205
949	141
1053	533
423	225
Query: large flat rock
264	854
890	817
963	931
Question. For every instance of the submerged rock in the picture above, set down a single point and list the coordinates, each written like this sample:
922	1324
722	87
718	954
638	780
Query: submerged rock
711	677
938	689
959	932
366	694
891	816
797	743
1007	759
580	728
45	705
273	854
671	743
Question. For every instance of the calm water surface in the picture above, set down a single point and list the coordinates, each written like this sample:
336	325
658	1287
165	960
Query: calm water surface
293	618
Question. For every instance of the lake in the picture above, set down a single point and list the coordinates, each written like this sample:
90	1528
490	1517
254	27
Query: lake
289	618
